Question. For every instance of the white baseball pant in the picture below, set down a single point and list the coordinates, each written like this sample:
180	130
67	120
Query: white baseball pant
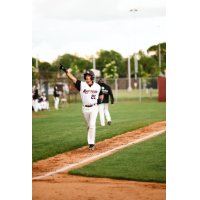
45	105
35	104
39	106
56	99
90	116
103	109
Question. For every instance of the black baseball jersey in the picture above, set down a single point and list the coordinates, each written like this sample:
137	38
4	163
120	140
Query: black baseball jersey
107	91
35	96
56	94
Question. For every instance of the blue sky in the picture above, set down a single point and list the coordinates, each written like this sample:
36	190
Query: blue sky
86	26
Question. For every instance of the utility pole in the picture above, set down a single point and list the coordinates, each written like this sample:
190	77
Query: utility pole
159	48
94	67
129	74
58	67
135	54
159	52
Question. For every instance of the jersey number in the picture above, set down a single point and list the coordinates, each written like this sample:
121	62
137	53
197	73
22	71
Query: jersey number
93	97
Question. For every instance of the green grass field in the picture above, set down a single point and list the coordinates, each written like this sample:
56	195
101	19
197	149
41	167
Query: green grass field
144	161
124	95
63	130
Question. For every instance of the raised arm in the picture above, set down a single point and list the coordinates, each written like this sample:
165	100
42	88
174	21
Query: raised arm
68	74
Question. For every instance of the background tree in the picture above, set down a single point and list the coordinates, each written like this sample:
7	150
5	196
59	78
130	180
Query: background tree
82	64
155	50
34	76
66	60
74	69
105	57
34	62
110	71
149	65
44	66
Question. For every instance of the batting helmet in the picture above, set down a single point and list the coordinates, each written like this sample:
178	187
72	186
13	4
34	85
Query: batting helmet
100	80
89	72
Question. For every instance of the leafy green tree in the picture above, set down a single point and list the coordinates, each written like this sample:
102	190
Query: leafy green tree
74	69
82	64
66	60
34	62
44	66
110	71
149	65
34	76
105	57
155	49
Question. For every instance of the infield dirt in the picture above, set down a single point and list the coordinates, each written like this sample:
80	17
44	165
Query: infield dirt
64	186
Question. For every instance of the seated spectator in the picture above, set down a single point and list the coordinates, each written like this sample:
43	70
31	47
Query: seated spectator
45	103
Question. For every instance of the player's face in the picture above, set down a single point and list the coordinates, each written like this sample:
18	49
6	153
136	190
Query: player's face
88	78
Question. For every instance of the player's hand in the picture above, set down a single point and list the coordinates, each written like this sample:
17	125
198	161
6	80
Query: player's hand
112	104
62	67
99	101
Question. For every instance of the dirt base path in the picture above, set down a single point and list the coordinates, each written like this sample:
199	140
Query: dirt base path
64	186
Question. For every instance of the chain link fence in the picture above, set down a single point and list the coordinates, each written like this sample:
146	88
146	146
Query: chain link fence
142	89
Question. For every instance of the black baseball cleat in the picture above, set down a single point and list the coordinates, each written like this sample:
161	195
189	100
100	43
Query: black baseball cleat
91	147
109	122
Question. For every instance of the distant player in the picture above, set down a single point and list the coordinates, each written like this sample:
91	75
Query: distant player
103	108
56	97
45	103
35	99
91	94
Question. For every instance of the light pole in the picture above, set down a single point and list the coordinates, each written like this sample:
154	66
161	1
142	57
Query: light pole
129	74
58	68
159	48
159	53
94	67
129	71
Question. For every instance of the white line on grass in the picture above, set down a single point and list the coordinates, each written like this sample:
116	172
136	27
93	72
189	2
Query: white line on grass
120	147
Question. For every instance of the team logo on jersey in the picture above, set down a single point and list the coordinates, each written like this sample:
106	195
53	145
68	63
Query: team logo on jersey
89	91
102	88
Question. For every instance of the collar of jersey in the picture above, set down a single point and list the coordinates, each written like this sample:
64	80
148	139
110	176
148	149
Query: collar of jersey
91	85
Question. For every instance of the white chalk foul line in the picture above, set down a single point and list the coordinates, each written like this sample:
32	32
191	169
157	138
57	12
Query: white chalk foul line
120	147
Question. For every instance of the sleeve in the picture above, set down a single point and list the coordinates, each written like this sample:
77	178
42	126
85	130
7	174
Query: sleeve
54	93
111	96
100	93
78	85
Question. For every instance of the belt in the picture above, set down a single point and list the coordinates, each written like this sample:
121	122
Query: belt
89	105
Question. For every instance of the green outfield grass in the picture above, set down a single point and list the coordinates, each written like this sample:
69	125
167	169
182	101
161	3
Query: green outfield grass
62	130
144	161
124	95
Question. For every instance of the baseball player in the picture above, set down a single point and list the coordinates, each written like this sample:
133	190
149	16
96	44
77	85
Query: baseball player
39	105
103	108
56	97
35	99
91	94
44	103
